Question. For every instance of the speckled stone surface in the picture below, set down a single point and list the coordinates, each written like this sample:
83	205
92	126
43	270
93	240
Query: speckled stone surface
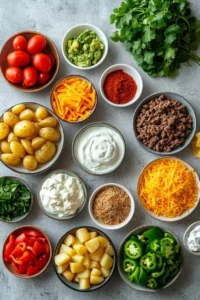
54	18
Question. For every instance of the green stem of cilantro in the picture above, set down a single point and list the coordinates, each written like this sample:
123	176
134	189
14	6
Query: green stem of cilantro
181	17
193	56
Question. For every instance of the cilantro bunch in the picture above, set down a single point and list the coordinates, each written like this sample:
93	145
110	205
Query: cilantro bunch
160	34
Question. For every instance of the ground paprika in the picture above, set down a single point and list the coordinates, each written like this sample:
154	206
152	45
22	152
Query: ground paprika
119	87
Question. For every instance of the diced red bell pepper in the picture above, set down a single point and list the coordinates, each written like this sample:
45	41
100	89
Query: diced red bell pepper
32	261
38	248
20	239
30	242
7	257
33	233
11	244
23	269
32	270
47	249
42	240
42	261
15	260
15	267
25	257
19	249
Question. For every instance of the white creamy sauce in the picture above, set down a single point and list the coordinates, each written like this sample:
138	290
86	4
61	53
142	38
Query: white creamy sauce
62	195
193	241
99	149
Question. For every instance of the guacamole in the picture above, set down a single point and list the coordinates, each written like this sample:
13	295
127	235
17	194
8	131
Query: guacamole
85	50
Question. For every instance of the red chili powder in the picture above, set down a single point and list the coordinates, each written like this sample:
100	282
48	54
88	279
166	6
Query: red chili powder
119	87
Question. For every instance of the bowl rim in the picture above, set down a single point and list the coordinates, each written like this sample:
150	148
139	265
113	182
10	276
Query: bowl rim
110	69
29	90
85	128
111	227
140	228
178	218
186	104
31	203
69	76
61	140
105	42
185	236
68	172
24	276
89	228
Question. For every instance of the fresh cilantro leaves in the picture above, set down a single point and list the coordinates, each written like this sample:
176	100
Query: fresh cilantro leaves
160	34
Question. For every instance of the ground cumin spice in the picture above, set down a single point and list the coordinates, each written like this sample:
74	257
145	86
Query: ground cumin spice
111	205
119	87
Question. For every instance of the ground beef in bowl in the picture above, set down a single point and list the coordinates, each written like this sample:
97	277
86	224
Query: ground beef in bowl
163	124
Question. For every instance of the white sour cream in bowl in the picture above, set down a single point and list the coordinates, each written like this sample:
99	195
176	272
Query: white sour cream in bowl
98	148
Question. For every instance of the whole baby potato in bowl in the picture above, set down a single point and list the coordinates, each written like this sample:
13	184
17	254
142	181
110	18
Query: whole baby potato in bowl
31	138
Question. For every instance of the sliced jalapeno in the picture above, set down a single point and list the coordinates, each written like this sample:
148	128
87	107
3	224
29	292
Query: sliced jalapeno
133	249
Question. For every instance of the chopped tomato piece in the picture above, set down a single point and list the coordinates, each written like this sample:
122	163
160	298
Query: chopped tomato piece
41	262
47	249
34	233
23	269
25	257
30	242
38	248
21	238
32	270
15	267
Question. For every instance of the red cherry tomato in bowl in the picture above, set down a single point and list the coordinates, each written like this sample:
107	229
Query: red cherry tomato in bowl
42	62
43	77
29	76
19	43
52	58
14	74
36	44
18	59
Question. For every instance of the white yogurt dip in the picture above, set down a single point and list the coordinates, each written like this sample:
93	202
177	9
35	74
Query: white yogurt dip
193	240
99	149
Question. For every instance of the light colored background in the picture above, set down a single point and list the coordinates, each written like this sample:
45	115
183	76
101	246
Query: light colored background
54	18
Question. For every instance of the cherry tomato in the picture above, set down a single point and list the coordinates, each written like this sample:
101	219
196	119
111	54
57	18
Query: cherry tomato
19	43
14	74
29	76
18	59
36	44
43	77
52	58
42	62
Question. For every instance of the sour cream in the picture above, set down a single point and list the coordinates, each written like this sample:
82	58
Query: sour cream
193	241
99	149
62	195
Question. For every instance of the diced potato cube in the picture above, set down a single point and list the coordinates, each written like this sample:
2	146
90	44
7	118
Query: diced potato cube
93	234
197	135
69	240
77	241
106	261
84	274
76	267
96	255
109	250
62	268
61	259
95	264
76	279
96	279
69	275
96	272
105	272
68	250
83	235
196	150
78	258
80	249
92	245
87	261
84	283
198	142
103	241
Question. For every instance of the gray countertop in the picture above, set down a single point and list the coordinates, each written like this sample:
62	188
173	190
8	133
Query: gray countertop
54	18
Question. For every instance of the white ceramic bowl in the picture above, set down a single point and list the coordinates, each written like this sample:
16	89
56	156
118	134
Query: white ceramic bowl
129	70
41	167
111	227
186	213
186	235
74	32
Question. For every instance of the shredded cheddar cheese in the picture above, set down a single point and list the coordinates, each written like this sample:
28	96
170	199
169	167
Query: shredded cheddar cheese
168	188
74	99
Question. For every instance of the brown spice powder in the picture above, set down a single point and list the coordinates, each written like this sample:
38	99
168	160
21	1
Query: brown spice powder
111	205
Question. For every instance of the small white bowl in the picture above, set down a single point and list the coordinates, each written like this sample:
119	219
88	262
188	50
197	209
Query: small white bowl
130	71
74	32
186	236
111	227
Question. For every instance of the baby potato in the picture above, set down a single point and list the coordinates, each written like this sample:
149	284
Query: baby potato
12	137
48	122
26	114
30	162
50	134
10	118
27	146
17	149
5	147
36	133
17	109
4	131
41	113
10	159
37	143
24	129
46	153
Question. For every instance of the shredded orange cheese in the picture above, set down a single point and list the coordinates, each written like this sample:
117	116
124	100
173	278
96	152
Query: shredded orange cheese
168	188
74	99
